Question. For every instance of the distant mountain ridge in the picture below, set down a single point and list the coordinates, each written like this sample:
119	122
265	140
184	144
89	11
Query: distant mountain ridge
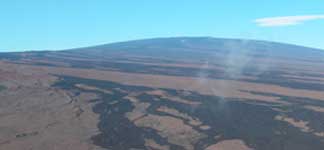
201	46
194	40
190	47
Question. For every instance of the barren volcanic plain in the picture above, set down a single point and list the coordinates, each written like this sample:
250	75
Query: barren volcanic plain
164	94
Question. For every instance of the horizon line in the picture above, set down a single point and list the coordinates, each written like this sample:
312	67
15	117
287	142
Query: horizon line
166	37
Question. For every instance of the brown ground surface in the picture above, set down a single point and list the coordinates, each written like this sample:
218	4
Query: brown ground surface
152	145
229	145
35	116
139	110
302	125
224	88
191	121
87	87
175	130
31	110
316	108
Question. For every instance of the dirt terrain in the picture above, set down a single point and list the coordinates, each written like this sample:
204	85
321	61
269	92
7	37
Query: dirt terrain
35	115
133	99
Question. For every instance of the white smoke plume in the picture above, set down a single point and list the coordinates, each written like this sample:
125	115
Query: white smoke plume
242	56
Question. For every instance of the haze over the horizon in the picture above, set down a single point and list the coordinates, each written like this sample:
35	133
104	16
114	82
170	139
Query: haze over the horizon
61	24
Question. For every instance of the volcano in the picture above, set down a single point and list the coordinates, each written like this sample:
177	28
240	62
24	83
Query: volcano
182	93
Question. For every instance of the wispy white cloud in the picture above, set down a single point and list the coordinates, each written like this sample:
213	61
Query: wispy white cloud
286	20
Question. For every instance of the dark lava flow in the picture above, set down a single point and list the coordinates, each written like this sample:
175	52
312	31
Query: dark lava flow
228	119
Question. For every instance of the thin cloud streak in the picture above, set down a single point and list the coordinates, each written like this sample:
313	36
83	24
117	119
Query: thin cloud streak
286	20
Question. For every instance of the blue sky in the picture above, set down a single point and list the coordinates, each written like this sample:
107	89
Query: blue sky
63	24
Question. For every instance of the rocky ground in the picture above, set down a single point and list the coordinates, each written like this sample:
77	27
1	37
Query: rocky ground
69	100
